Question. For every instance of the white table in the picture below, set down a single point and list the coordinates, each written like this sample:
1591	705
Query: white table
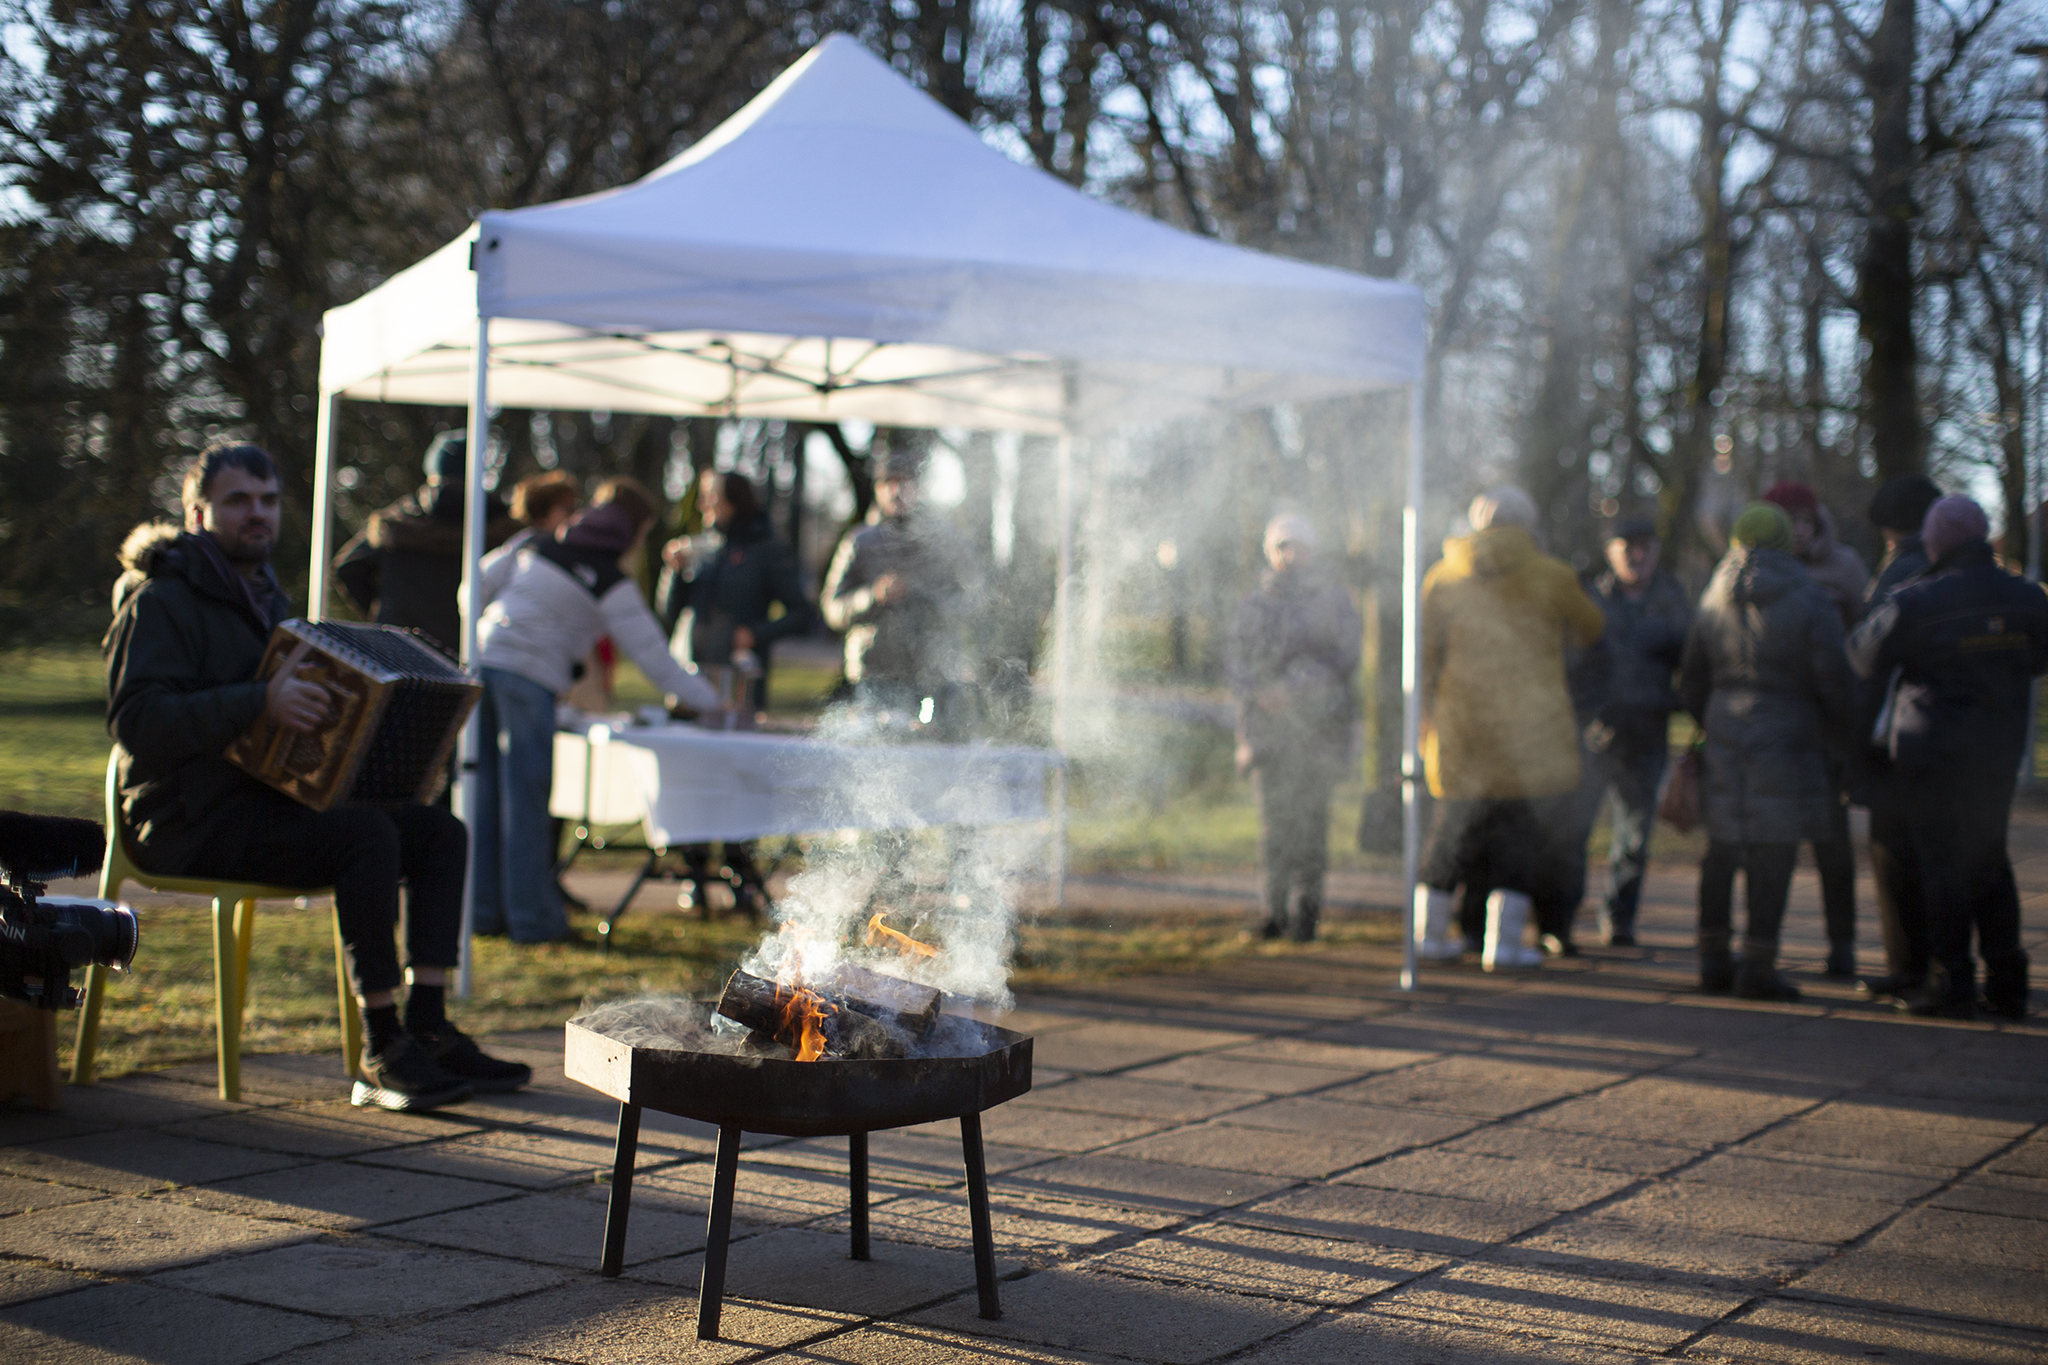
684	785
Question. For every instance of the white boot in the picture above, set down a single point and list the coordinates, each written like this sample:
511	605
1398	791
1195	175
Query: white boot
1434	941
1507	915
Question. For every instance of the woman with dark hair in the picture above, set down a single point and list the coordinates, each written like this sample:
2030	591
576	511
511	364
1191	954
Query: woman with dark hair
717	595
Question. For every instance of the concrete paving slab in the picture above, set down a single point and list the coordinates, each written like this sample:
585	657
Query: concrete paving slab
396	1348
1131	1184
1073	1310
587	1112
1535	1183
1394	1218
1033	1231
1944	1262
2023	1098
340	1196
273	1077
1483	1086
1780	1214
144	1101
1105	1046
133	1162
564	1228
1651	1108
365	1279
21	1281
137	1236
1793	1333
140	1322
1887	1144
1282	1265
20	1124
1770	1176
19	1194
1617	1314
1873	1109
335	1128
1128	1098
764	1196
1327	1053
1382	1337
1520	1141
932	1159
1264	1151
2028	1159
1241	1073
511	1156
1049	1130
593	1321
1382	1128
889	1344
1622	1250
805	1268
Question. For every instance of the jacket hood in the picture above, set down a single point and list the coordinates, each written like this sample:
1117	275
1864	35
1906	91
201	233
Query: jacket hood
144	549
1760	575
158	549
608	527
430	522
1492	553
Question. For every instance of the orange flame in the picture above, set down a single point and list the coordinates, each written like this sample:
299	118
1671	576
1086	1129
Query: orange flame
803	1018
880	934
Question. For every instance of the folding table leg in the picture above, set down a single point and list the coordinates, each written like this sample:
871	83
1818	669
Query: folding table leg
977	1216
621	1203
639	880
711	1291
857	1187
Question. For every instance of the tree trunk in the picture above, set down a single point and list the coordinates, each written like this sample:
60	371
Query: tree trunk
1884	276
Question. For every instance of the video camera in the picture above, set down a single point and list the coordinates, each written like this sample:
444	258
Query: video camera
44	939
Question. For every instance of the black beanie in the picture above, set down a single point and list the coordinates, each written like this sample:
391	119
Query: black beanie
1901	502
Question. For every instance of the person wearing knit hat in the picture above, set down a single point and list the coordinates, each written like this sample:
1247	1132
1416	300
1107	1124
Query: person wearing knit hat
1841	571
1960	647
1292	661
1763	675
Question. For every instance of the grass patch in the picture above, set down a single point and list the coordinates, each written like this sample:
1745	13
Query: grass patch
1082	949
53	732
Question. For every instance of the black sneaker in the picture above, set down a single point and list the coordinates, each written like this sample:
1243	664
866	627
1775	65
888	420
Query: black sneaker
402	1076
456	1053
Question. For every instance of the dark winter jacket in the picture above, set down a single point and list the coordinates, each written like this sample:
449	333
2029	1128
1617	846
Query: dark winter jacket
915	640
735	586
1905	562
406	564
182	652
1645	639
1764	673
1293	655
1868	761
1965	639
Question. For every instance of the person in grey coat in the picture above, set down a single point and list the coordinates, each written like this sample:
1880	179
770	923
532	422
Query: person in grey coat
1293	655
1765	676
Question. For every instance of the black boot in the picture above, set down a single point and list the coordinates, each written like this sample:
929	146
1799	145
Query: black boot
1758	977
1717	964
1893	986
1841	961
1946	995
2005	987
1308	910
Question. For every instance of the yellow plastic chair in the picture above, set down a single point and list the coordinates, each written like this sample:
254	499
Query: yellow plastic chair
233	932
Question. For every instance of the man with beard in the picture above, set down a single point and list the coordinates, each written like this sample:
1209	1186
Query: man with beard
1293	656
195	613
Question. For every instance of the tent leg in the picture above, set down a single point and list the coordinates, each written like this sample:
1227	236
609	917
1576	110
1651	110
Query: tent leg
1062	650
321	534
472	576
1411	696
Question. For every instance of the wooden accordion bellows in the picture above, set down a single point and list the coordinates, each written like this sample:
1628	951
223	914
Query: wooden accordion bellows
399	705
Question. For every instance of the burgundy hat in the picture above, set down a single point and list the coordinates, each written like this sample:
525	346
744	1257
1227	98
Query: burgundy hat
1796	498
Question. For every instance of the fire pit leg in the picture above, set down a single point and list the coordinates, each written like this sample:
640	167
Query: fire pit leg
857	1188
724	1175
622	1191
977	1216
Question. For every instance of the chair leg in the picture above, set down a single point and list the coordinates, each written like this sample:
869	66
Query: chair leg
227	1016
351	1013
89	1024
245	939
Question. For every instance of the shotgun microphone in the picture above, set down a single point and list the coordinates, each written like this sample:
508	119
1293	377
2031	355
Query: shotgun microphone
42	848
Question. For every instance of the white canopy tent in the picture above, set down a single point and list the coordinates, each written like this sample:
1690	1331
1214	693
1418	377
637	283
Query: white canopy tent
843	247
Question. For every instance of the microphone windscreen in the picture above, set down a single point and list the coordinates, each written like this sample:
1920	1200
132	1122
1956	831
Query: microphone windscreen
42	848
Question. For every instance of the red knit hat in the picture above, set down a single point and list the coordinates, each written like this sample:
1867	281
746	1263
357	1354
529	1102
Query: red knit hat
1796	498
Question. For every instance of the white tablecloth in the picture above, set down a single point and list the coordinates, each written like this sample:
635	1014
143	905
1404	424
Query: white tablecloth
690	786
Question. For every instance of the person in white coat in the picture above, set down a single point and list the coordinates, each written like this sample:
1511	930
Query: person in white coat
544	607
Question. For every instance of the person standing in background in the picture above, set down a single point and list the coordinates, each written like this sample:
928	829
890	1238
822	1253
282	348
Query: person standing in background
405	566
541	504
1648	615
1841	571
1499	739
1765	677
718	601
1292	660
1897	510
1966	640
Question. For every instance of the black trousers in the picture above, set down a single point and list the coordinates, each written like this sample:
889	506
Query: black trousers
1895	867
1294	838
1959	821
364	854
1513	844
1766	882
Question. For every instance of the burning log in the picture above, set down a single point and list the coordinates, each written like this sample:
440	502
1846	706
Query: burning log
808	1023
891	999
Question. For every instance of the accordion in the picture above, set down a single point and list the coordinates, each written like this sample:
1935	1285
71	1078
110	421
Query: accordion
399	704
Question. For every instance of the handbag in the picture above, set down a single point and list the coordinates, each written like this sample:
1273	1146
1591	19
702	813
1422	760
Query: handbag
1679	802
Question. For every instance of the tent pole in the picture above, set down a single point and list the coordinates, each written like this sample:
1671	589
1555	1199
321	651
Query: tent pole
1411	695
323	507
472	579
1062	651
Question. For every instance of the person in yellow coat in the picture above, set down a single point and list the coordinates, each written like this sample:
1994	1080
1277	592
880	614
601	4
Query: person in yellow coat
1499	741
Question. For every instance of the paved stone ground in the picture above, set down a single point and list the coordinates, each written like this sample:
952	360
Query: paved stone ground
1284	1161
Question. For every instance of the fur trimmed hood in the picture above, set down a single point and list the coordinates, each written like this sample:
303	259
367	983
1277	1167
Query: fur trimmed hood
143	551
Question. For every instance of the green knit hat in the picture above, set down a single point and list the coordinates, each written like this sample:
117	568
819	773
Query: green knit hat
1762	526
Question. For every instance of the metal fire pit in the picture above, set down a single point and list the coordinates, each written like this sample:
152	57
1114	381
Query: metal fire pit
797	1099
